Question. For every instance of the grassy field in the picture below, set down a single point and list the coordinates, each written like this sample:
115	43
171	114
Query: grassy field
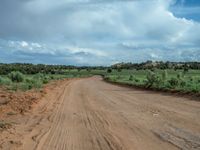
158	79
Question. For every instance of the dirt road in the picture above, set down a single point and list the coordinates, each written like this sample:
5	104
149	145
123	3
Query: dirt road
90	114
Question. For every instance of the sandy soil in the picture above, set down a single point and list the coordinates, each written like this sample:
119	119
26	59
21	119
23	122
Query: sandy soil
90	114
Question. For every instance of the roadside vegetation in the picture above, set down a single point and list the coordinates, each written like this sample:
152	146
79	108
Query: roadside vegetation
179	76
28	76
168	79
172	76
18	81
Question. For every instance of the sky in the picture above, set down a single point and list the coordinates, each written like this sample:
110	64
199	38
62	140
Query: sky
99	32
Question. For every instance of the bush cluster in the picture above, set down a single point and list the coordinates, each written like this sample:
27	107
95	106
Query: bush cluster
17	80
159	79
153	79
16	76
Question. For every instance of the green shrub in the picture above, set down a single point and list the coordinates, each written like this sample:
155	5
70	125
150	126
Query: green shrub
136	80
114	79
107	78
1	79
186	70
119	69
24	86
109	70
37	84
182	83
16	76
193	87
52	77
130	78
38	76
45	81
191	79
179	75
173	82
118	77
164	75
152	79
5	81
32	83
145	81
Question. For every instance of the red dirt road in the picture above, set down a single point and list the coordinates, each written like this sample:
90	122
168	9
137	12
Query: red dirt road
90	114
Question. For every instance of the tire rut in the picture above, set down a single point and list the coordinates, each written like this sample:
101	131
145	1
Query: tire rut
89	114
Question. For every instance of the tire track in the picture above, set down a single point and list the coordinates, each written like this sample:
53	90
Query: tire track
93	115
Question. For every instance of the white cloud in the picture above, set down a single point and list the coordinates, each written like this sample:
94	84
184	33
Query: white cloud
37	45
109	31
24	44
28	47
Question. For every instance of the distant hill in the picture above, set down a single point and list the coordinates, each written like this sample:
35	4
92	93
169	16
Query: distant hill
158	65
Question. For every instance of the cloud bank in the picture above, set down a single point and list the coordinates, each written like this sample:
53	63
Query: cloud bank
95	32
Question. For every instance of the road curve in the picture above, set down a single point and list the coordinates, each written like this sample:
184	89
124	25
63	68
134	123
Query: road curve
94	115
